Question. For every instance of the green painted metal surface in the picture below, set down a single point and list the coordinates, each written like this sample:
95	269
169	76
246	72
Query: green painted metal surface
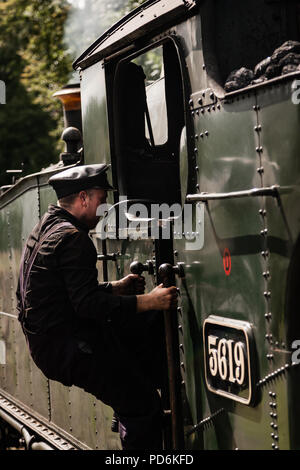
94	115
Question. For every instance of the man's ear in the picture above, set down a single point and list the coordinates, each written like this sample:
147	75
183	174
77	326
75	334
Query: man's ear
83	198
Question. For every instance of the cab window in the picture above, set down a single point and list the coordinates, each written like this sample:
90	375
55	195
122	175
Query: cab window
148	121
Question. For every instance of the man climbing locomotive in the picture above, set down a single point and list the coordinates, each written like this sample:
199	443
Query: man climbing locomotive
74	326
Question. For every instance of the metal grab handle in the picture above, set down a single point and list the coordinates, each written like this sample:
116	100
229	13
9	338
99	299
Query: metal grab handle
167	273
138	268
254	192
111	256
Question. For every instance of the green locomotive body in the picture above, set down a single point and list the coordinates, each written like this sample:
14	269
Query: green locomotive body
227	164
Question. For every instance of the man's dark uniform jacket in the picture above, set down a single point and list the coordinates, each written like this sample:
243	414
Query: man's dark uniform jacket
67	309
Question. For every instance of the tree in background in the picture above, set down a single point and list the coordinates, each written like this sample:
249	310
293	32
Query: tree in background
131	4
89	19
39	39
33	65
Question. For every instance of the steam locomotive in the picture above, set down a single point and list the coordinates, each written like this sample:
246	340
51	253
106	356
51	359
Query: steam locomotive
215	132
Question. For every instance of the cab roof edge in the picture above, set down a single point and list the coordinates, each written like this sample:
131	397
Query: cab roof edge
125	19
110	30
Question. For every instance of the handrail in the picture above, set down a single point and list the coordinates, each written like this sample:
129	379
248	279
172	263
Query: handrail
254	192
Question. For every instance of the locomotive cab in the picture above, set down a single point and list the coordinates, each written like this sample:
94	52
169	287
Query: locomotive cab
147	133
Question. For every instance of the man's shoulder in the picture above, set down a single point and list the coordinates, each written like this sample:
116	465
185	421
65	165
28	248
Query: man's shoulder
57	233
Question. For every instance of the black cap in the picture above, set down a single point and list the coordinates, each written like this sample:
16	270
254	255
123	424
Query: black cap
78	178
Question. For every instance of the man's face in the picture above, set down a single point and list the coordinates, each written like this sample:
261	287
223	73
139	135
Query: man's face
92	200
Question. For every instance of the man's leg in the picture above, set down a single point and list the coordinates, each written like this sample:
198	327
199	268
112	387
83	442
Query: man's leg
115	378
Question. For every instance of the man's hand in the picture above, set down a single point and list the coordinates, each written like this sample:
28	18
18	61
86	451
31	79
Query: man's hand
129	285
160	298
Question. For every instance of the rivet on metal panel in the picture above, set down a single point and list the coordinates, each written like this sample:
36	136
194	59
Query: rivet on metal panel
260	169
206	133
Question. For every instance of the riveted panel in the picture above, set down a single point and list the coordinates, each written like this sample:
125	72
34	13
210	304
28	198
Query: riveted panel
280	143
9	377
32	387
224	277
91	422
60	405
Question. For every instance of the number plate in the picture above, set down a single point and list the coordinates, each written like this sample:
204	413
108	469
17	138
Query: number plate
228	358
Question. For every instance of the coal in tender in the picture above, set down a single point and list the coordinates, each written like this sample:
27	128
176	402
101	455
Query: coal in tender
290	58
259	80
237	79
272	71
290	68
286	48
261	67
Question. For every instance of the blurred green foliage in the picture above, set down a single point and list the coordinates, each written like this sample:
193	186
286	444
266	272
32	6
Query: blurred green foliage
39	39
33	65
